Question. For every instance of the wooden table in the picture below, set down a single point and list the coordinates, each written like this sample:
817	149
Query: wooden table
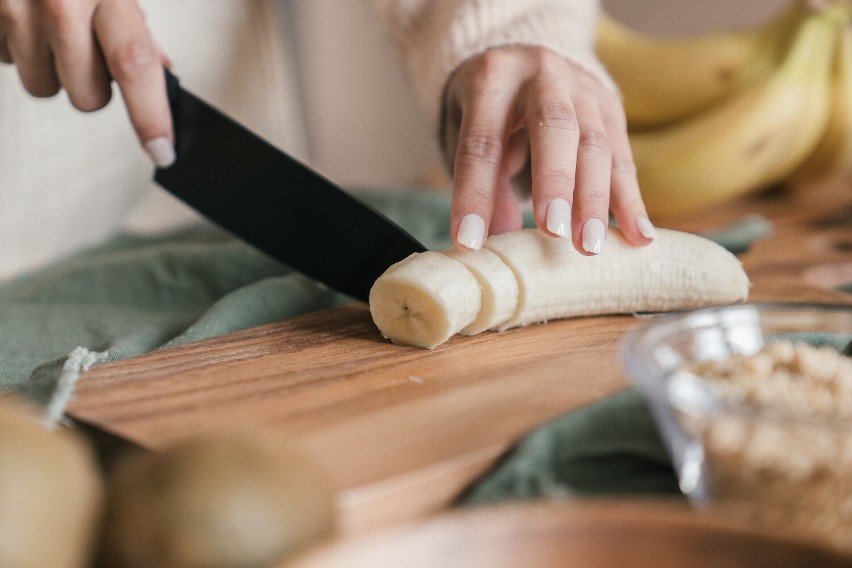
401	431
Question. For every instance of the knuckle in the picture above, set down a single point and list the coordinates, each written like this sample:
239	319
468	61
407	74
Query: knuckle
42	89
613	113
489	70
560	116
90	101
624	165
472	194
547	59
595	141
593	201
59	21
481	146
10	16
562	178
131	58
491	64
475	193
9	11
55	9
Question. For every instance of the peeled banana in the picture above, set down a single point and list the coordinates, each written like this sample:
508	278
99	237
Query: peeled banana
663	79
428	297
750	140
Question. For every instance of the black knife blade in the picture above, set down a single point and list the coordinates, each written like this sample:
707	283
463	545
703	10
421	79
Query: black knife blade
277	204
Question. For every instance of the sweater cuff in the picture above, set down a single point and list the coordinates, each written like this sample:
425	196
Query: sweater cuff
436	36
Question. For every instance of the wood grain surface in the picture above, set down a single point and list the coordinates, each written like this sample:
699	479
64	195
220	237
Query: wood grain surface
401	431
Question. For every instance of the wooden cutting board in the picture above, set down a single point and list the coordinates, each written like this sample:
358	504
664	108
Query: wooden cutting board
401	431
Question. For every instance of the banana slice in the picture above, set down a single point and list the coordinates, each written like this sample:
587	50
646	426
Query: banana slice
425	299
428	297
499	288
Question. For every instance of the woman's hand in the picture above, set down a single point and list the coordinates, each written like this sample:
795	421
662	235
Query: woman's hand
526	111
81	46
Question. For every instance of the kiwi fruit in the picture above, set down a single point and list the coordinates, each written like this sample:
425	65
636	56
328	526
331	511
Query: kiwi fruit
214	501
51	491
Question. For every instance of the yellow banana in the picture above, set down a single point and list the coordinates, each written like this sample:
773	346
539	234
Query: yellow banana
753	138
833	153
663	79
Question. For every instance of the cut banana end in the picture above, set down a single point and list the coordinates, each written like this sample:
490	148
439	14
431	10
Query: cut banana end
498	284
428	297
425	299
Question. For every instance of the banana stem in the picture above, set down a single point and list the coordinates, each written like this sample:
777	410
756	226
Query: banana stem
815	38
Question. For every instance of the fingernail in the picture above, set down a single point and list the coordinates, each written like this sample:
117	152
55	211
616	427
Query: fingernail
646	229
471	232
594	232
559	217
161	151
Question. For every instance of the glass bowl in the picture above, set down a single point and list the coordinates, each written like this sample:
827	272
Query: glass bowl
788	454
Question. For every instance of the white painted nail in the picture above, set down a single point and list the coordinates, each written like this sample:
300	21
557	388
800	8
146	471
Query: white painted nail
646	229
161	151
471	232
559	217
594	232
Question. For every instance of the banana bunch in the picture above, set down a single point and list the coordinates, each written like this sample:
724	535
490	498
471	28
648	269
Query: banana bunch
833	153
719	115
525	277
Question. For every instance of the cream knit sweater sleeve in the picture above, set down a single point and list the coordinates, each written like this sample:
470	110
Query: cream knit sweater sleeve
435	36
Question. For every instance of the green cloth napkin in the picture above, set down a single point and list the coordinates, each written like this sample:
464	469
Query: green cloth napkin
134	294
608	448
738	236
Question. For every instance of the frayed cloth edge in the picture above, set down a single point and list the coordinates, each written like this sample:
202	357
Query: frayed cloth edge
79	360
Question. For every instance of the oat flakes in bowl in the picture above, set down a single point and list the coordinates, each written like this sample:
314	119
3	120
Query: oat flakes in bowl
755	404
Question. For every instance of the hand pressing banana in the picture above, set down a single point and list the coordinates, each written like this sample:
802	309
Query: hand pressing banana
723	139
525	277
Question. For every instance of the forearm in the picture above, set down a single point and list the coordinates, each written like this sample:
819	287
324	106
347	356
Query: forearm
435	36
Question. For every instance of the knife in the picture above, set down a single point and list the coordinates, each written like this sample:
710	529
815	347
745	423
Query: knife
275	203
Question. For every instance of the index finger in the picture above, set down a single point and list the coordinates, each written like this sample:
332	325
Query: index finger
479	154
133	62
